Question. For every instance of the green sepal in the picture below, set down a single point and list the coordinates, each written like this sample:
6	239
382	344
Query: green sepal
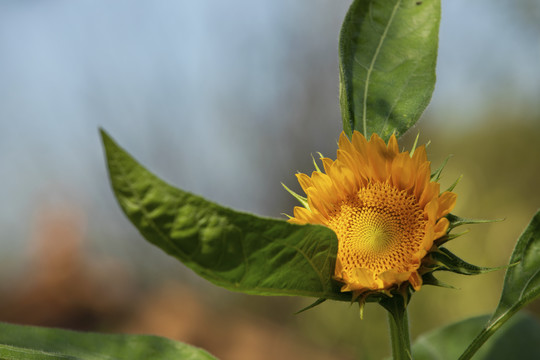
448	237
437	173
300	198
445	260
456	221
430	279
315	162
311	306
451	187
413	149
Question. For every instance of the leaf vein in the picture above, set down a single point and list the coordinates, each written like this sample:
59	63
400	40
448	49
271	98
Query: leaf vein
371	66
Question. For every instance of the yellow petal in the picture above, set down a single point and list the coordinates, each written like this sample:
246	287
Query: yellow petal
422	179
440	228
430	191
359	142
344	143
416	281
430	210
327	164
393	277
393	148
377	163
305	181
402	174
384	209
419	157
447	201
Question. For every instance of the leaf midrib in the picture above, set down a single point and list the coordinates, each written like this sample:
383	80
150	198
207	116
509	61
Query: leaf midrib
325	292
372	65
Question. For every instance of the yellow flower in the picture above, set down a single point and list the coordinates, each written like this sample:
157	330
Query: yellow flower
384	209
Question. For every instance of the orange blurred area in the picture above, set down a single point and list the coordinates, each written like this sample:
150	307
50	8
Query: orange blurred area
227	100
67	281
65	285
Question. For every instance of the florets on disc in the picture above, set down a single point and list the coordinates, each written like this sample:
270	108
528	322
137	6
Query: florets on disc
384	209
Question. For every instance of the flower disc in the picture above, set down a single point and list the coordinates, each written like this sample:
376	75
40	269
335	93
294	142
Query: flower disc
384	209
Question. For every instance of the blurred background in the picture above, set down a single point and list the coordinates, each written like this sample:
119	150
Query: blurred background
227	100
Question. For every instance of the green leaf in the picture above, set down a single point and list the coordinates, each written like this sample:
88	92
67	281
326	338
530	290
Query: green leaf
448	261
521	283
238	251
517	339
456	221
37	343
387	58
522	279
436	176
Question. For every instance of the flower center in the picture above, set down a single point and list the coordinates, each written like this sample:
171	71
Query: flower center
380	228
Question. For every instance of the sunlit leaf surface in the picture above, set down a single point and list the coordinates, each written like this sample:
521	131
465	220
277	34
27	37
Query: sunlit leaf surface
388	53
238	251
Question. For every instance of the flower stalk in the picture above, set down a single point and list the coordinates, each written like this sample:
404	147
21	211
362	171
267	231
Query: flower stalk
398	322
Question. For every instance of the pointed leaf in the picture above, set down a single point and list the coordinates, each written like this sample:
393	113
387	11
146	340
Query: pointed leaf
522	280
521	283
450	262
451	187
517	339
448	237
31	342
311	306
430	279
436	176
238	251
387	58
301	199
456	221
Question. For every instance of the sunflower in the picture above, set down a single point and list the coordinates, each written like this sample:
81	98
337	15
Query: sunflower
384	208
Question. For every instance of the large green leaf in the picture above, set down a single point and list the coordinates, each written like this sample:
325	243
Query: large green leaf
387	53
238	251
522	279
521	283
517	339
37	343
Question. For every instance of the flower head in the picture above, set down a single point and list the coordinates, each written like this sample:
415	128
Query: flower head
384	208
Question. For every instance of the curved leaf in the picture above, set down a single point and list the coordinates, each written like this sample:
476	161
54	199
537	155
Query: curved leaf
522	279
448	261
521	283
517	339
238	251
387	53
37	343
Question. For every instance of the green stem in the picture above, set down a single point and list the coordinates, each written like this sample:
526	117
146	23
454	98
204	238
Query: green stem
399	327
486	333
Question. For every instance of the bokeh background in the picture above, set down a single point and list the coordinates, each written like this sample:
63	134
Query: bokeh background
227	100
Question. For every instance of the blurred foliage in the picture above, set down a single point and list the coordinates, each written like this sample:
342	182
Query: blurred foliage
499	161
517	339
498	158
21	342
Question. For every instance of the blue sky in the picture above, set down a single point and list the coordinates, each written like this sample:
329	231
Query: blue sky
189	86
